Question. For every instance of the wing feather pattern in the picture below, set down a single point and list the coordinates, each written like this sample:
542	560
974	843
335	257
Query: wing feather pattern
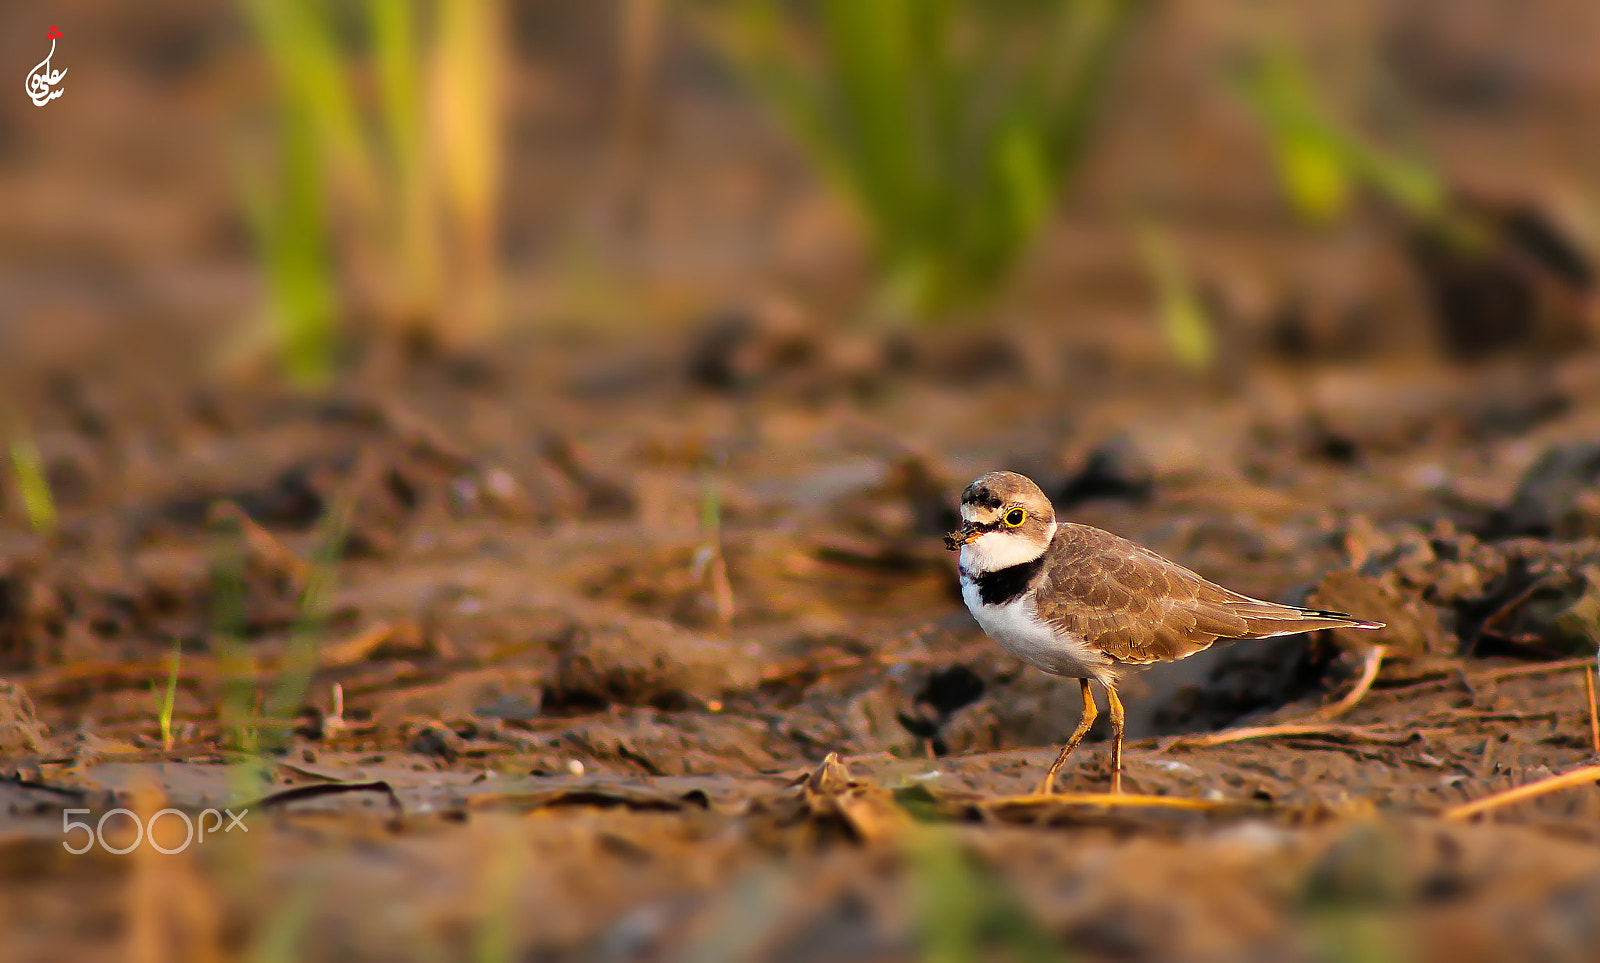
1138	607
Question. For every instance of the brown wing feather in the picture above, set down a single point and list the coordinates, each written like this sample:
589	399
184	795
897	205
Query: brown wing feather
1138	607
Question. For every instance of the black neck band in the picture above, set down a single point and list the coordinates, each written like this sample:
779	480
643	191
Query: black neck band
1004	584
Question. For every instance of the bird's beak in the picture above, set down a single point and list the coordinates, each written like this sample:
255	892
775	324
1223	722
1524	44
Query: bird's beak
965	534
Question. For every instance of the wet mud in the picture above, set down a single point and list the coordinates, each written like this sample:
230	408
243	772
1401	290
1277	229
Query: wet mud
638	641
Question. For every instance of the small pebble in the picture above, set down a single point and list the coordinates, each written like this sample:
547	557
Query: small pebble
575	767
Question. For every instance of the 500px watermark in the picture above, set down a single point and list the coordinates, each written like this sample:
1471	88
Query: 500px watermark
194	829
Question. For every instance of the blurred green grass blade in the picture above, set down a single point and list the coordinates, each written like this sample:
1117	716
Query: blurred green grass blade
1317	184
403	106
299	40
965	912
290	229
496	936
1023	172
229	623
466	106
949	902
394	38
468	100
283	940
388	174
1184	322
951	126
33	484
870	59
1316	177
170	697
302	657
1318	160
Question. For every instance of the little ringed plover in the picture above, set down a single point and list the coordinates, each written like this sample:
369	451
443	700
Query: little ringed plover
1083	603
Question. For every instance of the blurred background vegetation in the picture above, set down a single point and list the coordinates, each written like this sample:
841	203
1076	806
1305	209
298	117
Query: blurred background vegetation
446	172
498	293
950	127
373	177
378	199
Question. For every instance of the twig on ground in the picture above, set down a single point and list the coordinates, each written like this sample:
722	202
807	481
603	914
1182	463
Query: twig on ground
1532	790
1538	668
1377	734
1594	711
1369	672
1501	612
1117	800
1466	679
1482	715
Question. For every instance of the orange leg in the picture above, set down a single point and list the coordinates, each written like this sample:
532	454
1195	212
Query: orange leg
1084	722
1118	723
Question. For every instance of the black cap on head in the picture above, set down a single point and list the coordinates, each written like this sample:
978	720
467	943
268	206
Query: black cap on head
981	495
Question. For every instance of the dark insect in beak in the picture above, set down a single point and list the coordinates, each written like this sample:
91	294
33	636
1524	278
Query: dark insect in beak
955	540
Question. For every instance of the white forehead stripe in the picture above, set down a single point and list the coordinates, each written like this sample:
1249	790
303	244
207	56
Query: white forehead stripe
979	514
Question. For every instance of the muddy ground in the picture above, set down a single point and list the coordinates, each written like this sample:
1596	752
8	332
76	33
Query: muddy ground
631	635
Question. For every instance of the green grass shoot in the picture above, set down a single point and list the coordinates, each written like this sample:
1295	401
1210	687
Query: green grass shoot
711	514
283	938
302	655
709	562
494	940
170	697
1351	896
951	127
377	191
964	912
1185	324
1320	161
33	485
290	225
229	619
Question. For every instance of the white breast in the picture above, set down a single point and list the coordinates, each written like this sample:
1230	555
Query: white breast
1020	632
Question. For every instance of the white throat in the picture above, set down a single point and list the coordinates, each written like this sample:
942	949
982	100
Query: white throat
993	551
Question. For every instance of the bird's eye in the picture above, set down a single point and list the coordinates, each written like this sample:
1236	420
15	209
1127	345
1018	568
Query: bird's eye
1016	517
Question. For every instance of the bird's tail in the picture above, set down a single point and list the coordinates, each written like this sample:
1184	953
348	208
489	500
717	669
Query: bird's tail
1266	619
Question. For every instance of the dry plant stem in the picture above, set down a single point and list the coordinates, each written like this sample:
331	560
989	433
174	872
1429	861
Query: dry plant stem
1368	733
1538	668
199	669
1532	790
1116	799
1369	672
1506	609
1594	711
1467	679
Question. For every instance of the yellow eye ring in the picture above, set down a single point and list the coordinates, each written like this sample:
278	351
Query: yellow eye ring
1016	517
